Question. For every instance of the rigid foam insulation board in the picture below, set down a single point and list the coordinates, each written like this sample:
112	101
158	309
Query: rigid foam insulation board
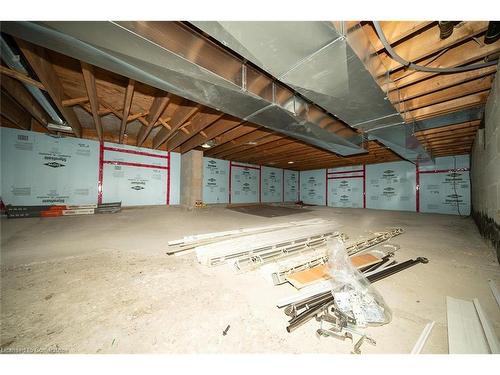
465	332
345	186
313	187
215	180
443	191
291	186
391	186
41	169
271	185
245	181
143	183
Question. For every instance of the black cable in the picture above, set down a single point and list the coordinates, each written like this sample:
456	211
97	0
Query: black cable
422	68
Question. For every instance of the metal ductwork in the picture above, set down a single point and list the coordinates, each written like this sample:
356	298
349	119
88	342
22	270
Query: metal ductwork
327	65
173	57
13	61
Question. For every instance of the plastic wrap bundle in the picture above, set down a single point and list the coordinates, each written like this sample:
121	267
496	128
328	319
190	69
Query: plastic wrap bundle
353	294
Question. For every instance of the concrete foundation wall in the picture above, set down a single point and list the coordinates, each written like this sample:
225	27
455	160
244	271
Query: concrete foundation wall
485	170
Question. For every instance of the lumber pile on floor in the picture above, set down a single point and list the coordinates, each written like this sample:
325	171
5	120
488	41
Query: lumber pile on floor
61	210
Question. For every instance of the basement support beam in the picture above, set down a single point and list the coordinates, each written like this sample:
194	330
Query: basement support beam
40	63
17	90
129	94
89	78
20	77
13	112
157	108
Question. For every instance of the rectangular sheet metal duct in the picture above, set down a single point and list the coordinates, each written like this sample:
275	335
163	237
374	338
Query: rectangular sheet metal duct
172	57
325	65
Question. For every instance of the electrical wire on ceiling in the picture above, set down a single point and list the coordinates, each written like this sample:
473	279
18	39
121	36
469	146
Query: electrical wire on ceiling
422	68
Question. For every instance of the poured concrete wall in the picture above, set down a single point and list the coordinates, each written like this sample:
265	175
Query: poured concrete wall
485	170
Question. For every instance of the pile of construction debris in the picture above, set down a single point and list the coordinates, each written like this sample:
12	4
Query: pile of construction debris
334	280
61	210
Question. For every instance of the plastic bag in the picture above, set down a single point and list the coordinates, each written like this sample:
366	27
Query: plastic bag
353	294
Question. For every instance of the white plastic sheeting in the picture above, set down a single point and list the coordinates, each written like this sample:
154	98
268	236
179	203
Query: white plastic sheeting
215	180
271	185
313	187
445	186
345	186
40	169
291	186
391	186
245	181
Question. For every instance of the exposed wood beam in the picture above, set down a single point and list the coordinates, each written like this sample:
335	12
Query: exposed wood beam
11	110
21	77
448	106
180	116
198	123
75	101
274	146
428	42
217	128
394	31
449	93
253	136
443	81
129	94
450	128
40	63
232	134
251	144
89	78
159	104
17	90
463	54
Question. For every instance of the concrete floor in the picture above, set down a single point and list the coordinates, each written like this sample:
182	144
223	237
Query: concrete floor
103	284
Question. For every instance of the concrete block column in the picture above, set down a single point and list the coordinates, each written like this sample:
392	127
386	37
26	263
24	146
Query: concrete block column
191	177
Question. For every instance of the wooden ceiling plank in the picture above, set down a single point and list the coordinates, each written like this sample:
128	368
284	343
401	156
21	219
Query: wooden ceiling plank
75	101
394	31
453	92
16	114
217	128
231	135
159	104
448	106
443	81
463	54
198	123
428	42
253	136
21	77
448	128
127	103
40	63
251	147
182	114
89	79
17	90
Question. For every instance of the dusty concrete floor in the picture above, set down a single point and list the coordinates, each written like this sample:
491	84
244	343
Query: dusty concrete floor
103	284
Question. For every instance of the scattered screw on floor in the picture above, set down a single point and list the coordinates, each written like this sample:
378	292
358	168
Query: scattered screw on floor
224	333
